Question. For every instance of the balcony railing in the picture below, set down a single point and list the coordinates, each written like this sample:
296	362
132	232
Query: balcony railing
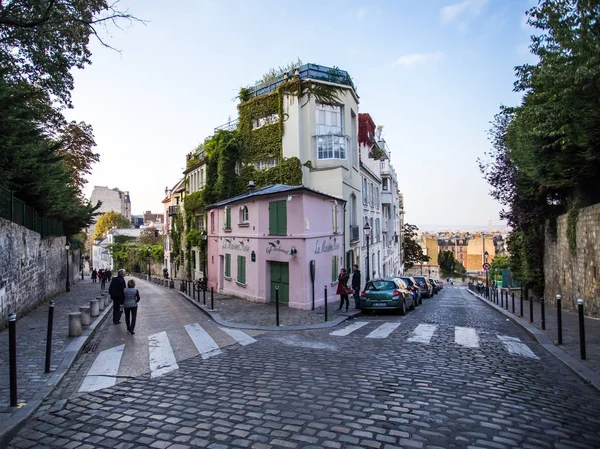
229	126
354	233
173	210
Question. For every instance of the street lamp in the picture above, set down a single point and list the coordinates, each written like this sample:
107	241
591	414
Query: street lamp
367	230
67	287
485	256
205	258
149	250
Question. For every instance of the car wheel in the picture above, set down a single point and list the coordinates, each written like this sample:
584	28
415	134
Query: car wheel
413	305
403	308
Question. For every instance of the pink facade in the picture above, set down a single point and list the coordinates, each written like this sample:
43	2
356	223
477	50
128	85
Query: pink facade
273	235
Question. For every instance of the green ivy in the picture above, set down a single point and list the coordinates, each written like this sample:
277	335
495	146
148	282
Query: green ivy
572	217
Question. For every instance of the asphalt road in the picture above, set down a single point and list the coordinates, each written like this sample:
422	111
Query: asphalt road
452	374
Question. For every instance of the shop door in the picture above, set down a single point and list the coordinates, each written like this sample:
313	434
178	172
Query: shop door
280	278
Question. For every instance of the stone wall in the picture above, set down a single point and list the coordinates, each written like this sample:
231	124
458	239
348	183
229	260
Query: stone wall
575	275
31	269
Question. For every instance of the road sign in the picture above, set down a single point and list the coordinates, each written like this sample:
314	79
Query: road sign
486	266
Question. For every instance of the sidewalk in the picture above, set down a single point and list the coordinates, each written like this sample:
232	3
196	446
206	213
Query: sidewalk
33	385
569	352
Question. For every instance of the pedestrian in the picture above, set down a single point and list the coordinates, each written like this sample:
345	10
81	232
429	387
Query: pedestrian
109	275
356	285
117	285
102	275
343	289
132	297
94	276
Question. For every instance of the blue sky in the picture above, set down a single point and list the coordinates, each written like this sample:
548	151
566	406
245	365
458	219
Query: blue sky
432	72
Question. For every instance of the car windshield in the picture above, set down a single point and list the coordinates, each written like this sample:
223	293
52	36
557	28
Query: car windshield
420	280
381	285
408	281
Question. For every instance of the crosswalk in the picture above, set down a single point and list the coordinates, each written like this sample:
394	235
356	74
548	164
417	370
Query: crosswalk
465	337
104	371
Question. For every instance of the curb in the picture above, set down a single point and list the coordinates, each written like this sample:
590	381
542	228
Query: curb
11	426
219	320
590	376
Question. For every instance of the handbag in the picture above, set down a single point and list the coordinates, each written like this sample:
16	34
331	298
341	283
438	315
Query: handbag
348	291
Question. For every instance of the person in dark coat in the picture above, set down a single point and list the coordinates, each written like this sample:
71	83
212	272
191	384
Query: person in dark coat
342	287
115	290
356	285
94	275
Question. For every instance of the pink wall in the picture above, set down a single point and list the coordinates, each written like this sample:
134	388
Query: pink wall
309	230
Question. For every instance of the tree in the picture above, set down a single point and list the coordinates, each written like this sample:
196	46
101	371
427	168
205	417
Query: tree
413	253
446	261
150	236
42	41
108	221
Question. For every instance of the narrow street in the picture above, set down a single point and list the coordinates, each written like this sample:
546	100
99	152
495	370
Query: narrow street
452	374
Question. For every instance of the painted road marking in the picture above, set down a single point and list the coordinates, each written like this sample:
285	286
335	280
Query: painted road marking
205	344
241	337
514	346
423	333
104	370
162	359
384	330
349	329
466	336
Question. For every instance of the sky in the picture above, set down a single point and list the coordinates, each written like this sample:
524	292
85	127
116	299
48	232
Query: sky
432	72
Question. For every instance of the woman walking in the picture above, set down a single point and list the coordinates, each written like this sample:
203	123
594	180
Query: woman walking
342	288
132	297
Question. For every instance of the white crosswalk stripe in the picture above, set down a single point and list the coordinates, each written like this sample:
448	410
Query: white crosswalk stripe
103	371
514	346
349	329
241	337
423	333
162	358
384	330
205	344
466	336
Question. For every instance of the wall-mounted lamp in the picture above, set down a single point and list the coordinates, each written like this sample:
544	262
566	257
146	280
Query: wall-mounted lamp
253	256
289	198
293	251
228	240
248	240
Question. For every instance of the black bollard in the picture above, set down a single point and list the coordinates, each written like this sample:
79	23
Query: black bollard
49	336
531	309
277	306
194	292
502	298
543	311
12	356
512	295
325	303
204	295
559	317
212	299
581	329
521	302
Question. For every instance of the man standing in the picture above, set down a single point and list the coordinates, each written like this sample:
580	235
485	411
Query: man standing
356	285
117	285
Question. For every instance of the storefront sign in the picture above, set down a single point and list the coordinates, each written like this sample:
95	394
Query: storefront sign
326	246
236	246
276	248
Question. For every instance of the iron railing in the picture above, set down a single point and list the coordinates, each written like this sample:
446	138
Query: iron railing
173	210
17	211
354	233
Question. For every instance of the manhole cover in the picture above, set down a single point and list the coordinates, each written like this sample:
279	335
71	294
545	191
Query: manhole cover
89	348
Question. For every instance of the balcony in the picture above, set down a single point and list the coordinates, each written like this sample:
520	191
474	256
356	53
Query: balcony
231	125
173	211
386	197
307	71
354	233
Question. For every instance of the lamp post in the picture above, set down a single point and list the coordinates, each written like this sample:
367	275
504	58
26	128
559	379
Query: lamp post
367	230
67	286
148	252
205	258
485	256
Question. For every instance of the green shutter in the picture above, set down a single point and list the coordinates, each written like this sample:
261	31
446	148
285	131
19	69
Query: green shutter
334	270
282	217
242	269
227	218
228	265
273	217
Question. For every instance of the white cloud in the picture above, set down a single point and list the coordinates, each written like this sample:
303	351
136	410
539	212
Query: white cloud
416	58
451	12
361	13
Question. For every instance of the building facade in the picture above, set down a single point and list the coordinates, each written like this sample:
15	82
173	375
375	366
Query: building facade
112	200
278	240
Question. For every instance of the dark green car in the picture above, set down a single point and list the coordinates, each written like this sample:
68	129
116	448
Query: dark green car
387	294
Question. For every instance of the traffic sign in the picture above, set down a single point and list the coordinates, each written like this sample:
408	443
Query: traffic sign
486	266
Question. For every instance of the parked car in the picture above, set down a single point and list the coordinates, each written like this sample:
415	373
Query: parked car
387	294
414	287
426	288
436	285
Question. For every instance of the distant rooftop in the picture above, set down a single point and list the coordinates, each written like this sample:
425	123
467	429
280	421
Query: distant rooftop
307	71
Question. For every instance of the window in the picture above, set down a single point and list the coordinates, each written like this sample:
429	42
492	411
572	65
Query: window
227	265
331	147
278	217
334	269
262	121
266	163
353	210
241	269
334	217
201	177
371	194
364	192
329	119
212	222
243	214
227	218
193	260
384	184
377	197
199	223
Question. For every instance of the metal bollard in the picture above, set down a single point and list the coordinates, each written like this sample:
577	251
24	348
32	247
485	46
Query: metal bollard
101	302
325	303
212	299
204	295
94	309
521	297
559	318
543	312
75	324
513	301
12	356
85	315
194	291
502	298
277	305
49	336
531	309
581	329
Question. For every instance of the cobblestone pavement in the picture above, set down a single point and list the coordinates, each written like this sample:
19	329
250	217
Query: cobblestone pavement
400	387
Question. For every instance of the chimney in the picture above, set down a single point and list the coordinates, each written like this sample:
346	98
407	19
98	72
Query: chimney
251	186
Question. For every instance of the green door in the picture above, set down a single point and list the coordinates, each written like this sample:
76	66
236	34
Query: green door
280	278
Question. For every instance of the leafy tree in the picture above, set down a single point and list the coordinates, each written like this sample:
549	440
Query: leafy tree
108	221
413	253
150	236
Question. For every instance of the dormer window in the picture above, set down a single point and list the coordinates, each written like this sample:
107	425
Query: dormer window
243	215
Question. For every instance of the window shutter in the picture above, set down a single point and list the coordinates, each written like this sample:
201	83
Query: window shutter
334	269
242	265
273	217
228	218
281	217
228	265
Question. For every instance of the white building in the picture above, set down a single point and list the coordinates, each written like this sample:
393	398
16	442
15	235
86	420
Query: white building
173	205
112	200
100	249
